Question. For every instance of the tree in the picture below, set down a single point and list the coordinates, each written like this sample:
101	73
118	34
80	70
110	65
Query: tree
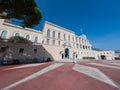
25	11
19	39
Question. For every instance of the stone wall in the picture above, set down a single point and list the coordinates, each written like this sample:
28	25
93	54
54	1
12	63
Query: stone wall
12	52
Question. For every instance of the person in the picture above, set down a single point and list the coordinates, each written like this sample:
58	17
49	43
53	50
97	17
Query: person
62	56
74	58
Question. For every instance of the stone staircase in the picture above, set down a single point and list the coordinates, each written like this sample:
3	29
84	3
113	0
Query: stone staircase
52	51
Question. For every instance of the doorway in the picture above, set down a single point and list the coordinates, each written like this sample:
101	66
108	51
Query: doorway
103	57
66	53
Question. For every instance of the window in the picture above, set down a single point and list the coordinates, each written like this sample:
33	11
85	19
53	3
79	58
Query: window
3	49
27	37
86	42
35	51
73	39
76	39
58	35
53	42
69	45
64	37
79	40
80	46
48	41
53	34
4	35
48	33
89	47
69	37
36	40
21	50
82	41
83	47
59	43
17	34
42	41
77	46
74	45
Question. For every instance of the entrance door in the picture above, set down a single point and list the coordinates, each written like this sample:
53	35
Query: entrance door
103	57
66	53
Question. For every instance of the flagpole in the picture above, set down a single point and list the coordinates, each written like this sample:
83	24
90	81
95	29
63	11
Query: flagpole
81	31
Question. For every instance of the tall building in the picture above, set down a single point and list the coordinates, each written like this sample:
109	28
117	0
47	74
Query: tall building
52	42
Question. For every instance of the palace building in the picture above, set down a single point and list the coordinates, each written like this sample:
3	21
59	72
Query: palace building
52	42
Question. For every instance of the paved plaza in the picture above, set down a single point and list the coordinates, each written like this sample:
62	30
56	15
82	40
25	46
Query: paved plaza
85	75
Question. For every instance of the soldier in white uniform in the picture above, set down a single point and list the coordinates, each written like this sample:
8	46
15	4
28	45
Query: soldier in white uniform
75	58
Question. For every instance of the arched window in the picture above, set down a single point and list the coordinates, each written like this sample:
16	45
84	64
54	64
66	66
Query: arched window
89	47
17	34
83	47
53	34
48	33
27	37
36	40
59	35
4	35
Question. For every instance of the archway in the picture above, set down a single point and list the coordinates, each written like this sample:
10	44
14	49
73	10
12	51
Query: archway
66	53
103	57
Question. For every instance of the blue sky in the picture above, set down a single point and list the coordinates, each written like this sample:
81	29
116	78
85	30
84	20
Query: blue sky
99	19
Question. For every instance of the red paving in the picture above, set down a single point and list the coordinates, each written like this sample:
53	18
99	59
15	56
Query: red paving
112	73
61	78
8	77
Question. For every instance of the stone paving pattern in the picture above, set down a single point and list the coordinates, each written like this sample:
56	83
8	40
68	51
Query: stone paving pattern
62	76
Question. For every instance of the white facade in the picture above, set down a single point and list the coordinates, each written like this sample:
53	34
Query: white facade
61	43
106	55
